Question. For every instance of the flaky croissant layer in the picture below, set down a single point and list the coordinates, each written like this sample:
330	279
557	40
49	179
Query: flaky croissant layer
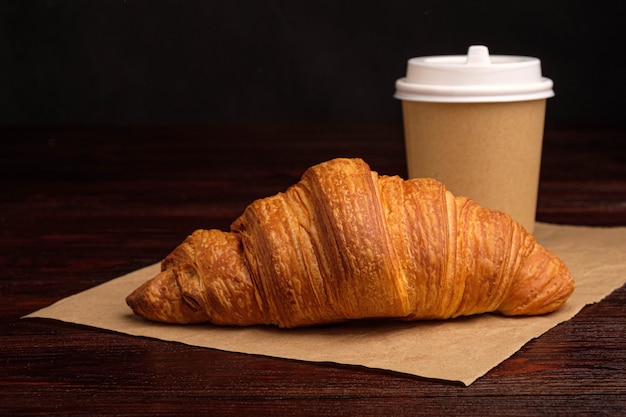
345	243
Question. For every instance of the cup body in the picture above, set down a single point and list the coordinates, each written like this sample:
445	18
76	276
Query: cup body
489	152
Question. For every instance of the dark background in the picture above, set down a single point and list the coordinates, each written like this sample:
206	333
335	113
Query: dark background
159	62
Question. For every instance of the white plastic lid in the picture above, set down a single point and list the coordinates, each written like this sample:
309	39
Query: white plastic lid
477	77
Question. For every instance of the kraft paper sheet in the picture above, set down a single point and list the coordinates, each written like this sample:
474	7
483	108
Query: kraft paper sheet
462	349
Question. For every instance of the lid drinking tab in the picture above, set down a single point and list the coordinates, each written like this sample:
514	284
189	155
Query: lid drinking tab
478	55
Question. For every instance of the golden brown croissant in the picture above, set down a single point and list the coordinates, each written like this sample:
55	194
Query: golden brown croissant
345	243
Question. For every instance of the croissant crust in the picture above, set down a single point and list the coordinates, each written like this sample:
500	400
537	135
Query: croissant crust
346	243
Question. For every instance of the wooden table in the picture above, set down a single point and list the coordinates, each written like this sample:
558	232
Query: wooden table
80	206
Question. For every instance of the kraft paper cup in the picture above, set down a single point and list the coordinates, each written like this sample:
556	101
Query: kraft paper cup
476	124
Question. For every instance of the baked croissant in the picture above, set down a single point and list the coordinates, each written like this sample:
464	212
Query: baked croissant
345	243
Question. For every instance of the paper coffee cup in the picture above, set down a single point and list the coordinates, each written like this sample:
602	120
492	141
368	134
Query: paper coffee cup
476	124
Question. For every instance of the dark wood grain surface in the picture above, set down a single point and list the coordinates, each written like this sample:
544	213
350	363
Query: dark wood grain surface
80	206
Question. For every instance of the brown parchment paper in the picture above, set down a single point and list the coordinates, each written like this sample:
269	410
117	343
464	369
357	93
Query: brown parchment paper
457	350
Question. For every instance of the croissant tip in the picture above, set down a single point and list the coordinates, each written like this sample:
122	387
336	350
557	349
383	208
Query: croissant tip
132	299
160	299
137	300
143	300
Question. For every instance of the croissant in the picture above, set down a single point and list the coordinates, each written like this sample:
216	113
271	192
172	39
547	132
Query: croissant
345	243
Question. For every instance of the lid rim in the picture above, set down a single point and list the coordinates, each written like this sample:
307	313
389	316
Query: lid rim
406	89
474	99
